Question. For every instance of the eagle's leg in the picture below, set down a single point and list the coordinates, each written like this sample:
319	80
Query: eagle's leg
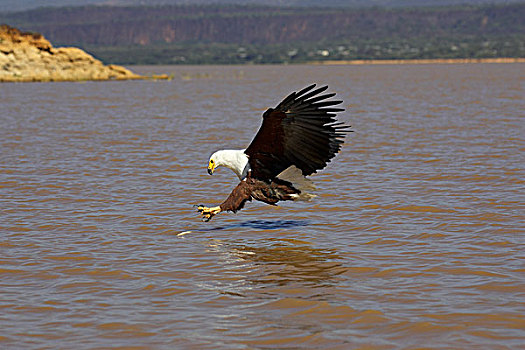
208	213
234	202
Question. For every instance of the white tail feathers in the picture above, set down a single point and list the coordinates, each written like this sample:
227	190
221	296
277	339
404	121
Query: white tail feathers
295	176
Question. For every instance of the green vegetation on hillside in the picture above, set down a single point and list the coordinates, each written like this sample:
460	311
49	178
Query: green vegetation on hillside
308	52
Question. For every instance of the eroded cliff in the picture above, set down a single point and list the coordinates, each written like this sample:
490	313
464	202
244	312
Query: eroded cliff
30	57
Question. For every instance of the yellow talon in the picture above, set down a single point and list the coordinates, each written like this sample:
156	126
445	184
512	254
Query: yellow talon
208	213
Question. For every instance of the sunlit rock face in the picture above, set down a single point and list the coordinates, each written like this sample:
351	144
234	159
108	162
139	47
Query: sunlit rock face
31	57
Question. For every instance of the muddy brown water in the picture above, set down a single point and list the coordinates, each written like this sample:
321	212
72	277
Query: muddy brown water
416	238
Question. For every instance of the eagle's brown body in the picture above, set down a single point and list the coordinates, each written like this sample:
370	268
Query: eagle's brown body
267	192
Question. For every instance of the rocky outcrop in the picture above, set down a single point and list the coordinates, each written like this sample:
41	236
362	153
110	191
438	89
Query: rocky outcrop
30	57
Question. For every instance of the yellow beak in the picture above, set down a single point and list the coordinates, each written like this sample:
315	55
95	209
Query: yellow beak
211	167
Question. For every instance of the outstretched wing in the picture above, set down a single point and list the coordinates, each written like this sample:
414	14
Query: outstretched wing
302	131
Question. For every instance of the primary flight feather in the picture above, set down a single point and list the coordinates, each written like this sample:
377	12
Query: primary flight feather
296	138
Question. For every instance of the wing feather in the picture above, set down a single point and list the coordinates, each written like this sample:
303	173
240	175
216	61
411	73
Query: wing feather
302	131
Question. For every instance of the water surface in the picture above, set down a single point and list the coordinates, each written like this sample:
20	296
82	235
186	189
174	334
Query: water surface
416	238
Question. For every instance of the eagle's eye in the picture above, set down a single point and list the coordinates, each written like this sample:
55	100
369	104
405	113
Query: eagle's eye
211	161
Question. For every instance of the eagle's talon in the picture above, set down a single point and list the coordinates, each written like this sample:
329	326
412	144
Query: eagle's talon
208	213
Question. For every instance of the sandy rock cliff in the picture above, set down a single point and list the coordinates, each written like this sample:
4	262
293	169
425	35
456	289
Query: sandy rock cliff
30	57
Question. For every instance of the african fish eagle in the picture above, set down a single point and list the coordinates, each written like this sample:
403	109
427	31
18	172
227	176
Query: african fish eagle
296	138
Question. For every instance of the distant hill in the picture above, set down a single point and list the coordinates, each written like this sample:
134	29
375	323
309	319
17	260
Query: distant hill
263	34
154	25
21	5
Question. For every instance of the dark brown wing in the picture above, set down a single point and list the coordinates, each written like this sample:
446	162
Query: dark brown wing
301	131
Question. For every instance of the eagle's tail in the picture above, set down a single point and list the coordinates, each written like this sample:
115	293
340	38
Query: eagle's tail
295	176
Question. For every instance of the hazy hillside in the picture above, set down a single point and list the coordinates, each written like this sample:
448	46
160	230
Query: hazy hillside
20	5
236	34
109	26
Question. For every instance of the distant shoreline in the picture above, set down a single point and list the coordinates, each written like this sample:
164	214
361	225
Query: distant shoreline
421	61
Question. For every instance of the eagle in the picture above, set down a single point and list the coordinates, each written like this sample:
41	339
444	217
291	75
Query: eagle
296	139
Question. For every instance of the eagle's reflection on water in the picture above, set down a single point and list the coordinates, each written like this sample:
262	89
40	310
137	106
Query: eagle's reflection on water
264	225
284	264
270	265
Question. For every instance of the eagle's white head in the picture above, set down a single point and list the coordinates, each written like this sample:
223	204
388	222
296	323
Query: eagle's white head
236	160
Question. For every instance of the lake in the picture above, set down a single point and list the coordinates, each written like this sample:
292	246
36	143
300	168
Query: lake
415	239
